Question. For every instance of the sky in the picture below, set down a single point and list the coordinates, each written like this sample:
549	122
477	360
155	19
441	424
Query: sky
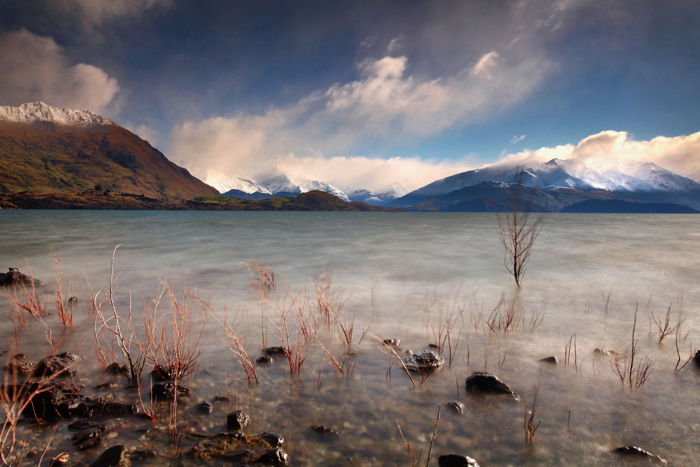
369	94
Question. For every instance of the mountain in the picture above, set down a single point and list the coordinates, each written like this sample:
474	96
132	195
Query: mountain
225	183
52	150
378	199
275	186
556	184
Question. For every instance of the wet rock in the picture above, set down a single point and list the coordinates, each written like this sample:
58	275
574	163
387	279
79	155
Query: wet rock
106	386
88	438
116	456
204	407
394	342
325	431
142	454
263	360
60	459
162	373
486	383
435	347
102	407
456	407
696	358
81	425
455	460
13	277
635	451
222	399
117	369
552	360
273	439
237	420
167	390
272	351
425	360
276	457
19	365
219	447
62	365
72	300
50	404
606	352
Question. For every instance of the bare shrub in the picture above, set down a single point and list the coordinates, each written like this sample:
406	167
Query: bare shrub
263	279
632	370
517	231
529	425
63	310
236	346
663	324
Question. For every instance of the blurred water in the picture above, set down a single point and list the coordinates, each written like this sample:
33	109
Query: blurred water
401	274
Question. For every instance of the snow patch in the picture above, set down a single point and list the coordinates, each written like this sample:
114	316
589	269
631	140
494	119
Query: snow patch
41	112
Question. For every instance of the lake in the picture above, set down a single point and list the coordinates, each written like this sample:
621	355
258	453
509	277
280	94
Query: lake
413	276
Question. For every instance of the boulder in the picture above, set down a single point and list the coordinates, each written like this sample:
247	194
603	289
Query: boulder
425	360
116	456
551	360
167	390
204	407
272	351
59	365
13	277
456	407
237	420
485	383
276	457
637	452
273	439
455	460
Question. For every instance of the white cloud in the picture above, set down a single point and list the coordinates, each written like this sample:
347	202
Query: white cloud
487	62
617	149
35	68
517	139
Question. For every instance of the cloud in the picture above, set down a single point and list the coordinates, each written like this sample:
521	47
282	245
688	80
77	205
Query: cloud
517	139
95	12
35	68
385	105
618	150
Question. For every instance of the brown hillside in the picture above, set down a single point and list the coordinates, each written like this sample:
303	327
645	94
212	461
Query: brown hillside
51	158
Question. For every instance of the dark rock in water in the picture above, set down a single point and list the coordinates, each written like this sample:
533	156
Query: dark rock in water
221	447
116	456
237	420
456	407
325	431
167	390
635	451
392	342
425	360
88	438
486	383
19	365
62	364
60	459
552	360
72	300
435	347
275	457
142	454
81	425
455	460
117	369
14	277
204	407
222	399
56	402
273	439
263	360
106	386
272	351
696	358
102	407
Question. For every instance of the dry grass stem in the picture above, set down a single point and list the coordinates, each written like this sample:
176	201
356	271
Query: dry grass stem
529	425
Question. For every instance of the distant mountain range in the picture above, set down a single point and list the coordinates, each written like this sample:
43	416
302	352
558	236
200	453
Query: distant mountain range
45	149
559	185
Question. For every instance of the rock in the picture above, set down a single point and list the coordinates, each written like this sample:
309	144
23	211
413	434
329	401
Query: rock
142	454
425	360
19	365
81	425
102	407
88	438
456	407
161	373
486	383
221	447
106	386
392	342
275	457
204	407
696	358
237	420
222	399
62	365
552	360
55	402
116	369
325	431
606	353
72	300
167	390
435	347
60	459
272	351
116	456
14	278
273	439
263	360
455	460
635	451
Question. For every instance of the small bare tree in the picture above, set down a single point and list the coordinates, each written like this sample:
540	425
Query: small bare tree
517	230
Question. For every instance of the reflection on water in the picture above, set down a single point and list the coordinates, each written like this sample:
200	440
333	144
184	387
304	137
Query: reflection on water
403	275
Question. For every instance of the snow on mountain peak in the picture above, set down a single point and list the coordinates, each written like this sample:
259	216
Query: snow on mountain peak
42	112
224	183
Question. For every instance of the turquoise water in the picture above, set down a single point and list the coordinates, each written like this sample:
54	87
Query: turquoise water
396	274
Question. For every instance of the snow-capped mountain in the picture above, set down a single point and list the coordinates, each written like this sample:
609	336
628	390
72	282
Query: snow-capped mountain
225	183
41	112
282	184
379	199
567	173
